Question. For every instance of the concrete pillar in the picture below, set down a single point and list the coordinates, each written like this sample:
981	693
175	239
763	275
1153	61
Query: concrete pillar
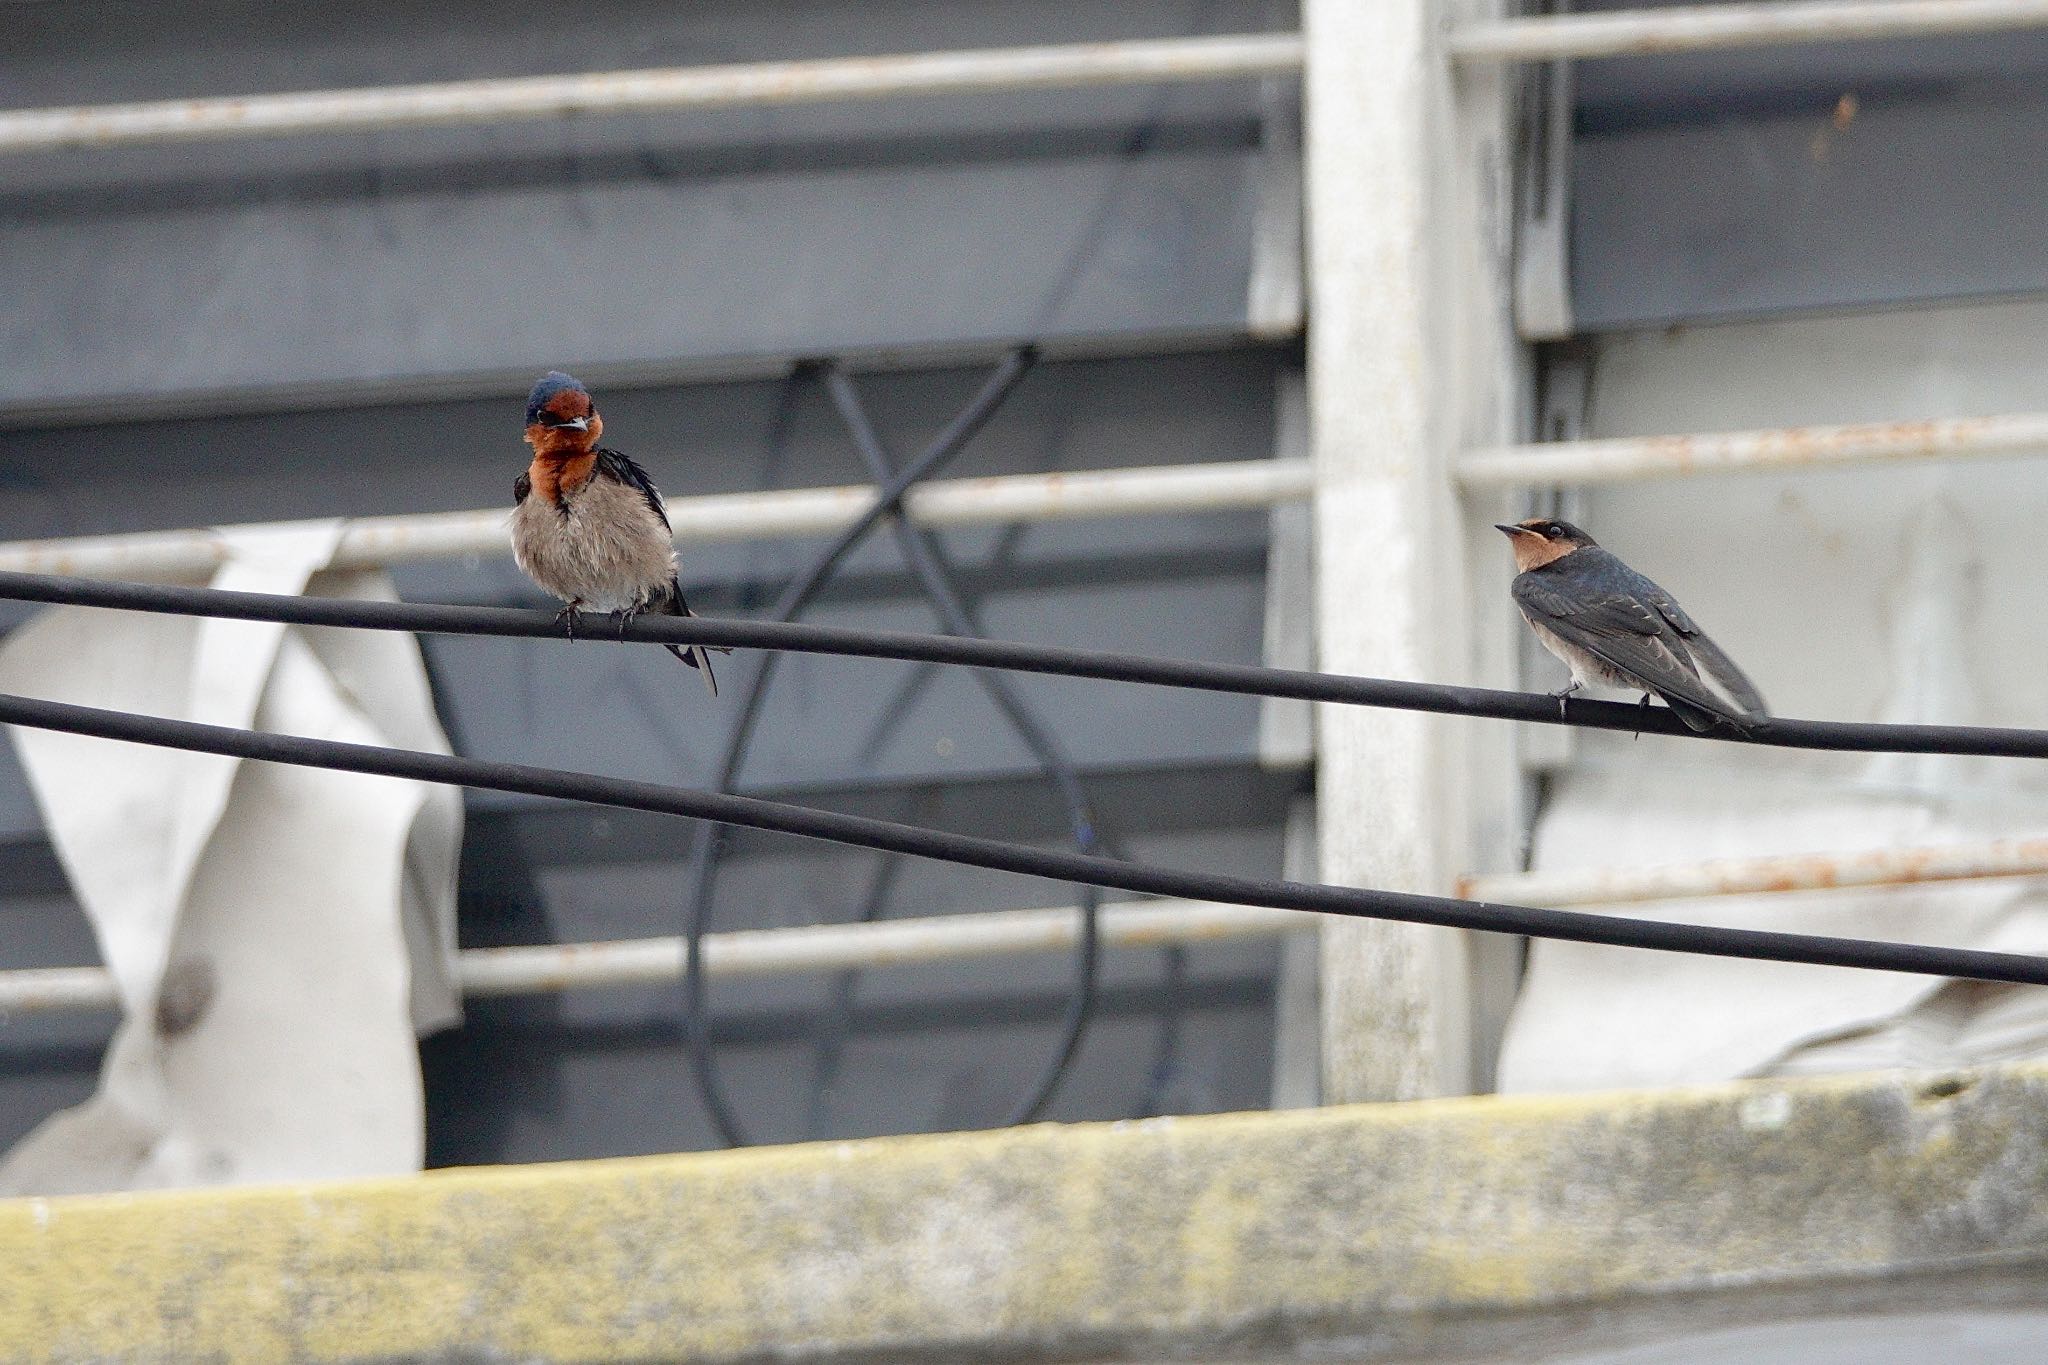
1408	360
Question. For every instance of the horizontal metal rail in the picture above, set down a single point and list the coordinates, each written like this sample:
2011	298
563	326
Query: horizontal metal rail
548	968
1757	876
1706	28
882	943
376	542
372	542
1151	61
1629	458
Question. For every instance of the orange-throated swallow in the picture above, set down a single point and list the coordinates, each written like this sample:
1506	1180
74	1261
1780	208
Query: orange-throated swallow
588	524
1609	624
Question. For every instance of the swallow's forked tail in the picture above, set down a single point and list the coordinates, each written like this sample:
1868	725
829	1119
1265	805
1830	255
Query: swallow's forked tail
1700	719
1722	671
696	656
1725	694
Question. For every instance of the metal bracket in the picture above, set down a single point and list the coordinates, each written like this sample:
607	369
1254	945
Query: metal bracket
1564	397
1274	303
1543	299
1287	725
1297	989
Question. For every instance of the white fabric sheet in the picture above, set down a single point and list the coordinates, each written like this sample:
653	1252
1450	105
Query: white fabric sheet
278	935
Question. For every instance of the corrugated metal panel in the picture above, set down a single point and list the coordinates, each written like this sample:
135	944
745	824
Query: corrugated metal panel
674	242
1733	184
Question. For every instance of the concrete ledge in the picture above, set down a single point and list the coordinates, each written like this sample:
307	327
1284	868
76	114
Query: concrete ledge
1247	1233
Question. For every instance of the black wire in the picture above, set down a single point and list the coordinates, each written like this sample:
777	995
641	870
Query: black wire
705	849
1053	864
1243	679
927	561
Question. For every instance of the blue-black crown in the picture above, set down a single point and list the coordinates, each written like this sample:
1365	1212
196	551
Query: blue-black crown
549	384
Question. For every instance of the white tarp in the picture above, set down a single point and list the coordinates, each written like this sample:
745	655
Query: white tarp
278	935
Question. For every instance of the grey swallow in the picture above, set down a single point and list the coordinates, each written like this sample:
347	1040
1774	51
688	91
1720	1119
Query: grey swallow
1611	625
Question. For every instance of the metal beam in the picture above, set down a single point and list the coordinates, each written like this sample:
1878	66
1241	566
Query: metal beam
1629	458
1706	28
1152	61
548	968
371	542
374	542
1759	876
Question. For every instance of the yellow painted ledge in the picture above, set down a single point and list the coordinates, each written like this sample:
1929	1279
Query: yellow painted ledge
1052	1239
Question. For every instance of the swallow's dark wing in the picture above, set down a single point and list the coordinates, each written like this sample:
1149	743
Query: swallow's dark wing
621	469
1718	665
1609	621
521	486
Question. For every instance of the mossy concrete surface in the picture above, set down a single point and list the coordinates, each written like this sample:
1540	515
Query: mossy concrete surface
1174	1236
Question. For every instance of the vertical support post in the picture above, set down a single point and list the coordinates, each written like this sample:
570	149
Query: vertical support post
1409	358
1297	997
1286	724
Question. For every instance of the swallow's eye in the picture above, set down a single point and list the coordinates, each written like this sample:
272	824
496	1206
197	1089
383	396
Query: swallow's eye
1553	530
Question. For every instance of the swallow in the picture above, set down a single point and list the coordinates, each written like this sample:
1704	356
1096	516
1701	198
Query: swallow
1611	625
588	524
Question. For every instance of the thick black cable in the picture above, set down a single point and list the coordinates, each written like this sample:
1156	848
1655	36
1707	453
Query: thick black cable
797	595
928	564
1242	679
1056	865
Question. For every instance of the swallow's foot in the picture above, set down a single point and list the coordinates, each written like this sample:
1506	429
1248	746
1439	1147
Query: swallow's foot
566	617
1642	711
1561	694
625	618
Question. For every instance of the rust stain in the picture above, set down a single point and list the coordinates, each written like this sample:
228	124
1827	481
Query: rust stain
1799	872
1677	451
1807	445
1162	935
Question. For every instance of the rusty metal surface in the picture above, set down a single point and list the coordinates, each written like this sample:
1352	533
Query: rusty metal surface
376	542
553	967
1757	876
1626	458
1704	28
739	85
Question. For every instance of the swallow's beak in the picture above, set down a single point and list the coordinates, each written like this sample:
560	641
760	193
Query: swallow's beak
574	424
1514	530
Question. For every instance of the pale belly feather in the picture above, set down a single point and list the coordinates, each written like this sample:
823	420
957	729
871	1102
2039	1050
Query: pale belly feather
1588	669
609	551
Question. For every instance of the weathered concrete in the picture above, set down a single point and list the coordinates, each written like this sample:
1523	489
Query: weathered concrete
1411	356
1391	1229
